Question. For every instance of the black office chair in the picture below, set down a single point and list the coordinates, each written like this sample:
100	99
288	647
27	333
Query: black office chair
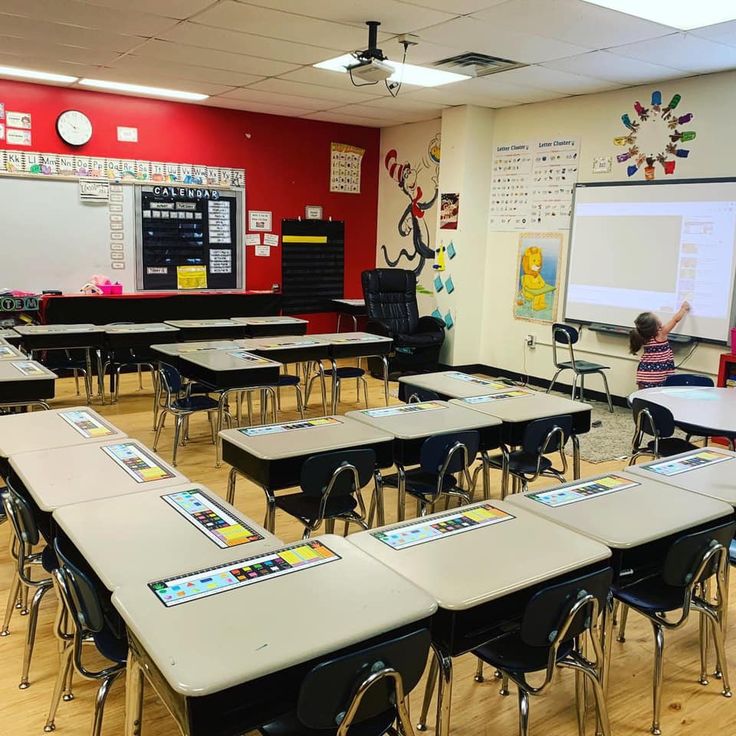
331	490
362	693
541	438
680	586
391	305
653	420
551	633
565	335
688	379
84	610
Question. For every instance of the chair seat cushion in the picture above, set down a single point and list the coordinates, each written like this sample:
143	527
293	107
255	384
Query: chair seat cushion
672	446
583	366
49	561
195	403
289	725
307	507
348	371
111	646
651	594
511	654
526	463
288	379
419	339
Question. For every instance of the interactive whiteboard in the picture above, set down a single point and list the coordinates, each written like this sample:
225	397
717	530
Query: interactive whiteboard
649	246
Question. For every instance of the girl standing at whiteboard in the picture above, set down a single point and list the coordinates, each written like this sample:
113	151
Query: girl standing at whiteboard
658	360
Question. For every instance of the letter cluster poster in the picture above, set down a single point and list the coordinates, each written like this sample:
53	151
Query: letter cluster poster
532	184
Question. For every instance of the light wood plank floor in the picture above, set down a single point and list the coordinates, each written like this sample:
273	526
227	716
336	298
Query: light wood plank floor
689	709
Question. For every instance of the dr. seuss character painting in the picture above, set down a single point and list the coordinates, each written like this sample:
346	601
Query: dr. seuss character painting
418	183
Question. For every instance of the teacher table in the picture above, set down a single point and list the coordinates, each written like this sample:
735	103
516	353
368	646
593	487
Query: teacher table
25	383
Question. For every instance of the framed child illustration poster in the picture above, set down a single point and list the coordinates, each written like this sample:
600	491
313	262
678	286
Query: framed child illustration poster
538	270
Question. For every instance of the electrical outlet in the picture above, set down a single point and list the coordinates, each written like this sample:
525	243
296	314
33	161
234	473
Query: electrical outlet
531	341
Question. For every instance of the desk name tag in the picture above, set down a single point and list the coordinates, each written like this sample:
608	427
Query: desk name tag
685	464
583	491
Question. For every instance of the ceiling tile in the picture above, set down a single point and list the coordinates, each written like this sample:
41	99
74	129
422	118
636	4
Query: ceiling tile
402	104
395	17
154	79
720	32
308	103
605	65
51	53
169	8
557	81
344	118
461	7
682	51
471	34
376	113
185	71
461	93
299	89
423	53
32	61
325	78
195	34
269	109
573	21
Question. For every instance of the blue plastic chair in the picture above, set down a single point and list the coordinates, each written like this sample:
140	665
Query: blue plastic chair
655	421
688	379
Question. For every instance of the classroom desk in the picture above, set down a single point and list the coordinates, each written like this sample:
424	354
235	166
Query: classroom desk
171	352
11	336
227	663
141	335
411	424
9	352
272	326
207	329
140	537
709	471
231	372
697	410
272	456
25	383
62	476
352	308
476	600
526	405
455	384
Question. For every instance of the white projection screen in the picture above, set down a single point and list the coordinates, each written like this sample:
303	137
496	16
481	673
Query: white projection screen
649	246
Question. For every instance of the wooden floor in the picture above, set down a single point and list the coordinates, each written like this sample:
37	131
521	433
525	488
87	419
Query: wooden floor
688	708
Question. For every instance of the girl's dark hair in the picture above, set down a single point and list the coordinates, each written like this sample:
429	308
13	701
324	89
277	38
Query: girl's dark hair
646	327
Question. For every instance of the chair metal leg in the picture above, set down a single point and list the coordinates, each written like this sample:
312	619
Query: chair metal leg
64	665
658	677
703	640
159	427
100	699
523	712
622	626
177	437
299	401
504	691
444	694
554	380
478	677
76	380
608	393
10	607
580	701
718	641
582	387
31	634
428	692
600	701
574	387
133	696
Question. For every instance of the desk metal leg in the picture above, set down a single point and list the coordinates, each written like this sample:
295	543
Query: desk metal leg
335	384
504	471
232	478
377	501
428	692
444	693
384	359
486	470
133	696
575	456
401	495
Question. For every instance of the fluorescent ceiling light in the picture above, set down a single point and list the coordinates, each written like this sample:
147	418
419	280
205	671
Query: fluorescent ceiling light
11	71
421	76
679	14
139	89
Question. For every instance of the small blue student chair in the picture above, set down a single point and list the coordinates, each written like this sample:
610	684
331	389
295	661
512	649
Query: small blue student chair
653	420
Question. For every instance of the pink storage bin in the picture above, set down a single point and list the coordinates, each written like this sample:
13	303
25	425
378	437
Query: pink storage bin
111	288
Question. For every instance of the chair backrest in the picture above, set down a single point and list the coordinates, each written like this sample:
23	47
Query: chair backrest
334	471
331	687
686	555
652	419
82	597
21	517
547	435
563	334
391	296
170	378
688	379
551	609
452	452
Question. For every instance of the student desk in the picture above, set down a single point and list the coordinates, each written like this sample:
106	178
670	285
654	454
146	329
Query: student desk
9	352
352	308
709	471
272	456
228	662
411	424
231	371
697	410
171	352
207	329
139	537
141	335
272	326
476	598
11	336
522	408
454	384
25	383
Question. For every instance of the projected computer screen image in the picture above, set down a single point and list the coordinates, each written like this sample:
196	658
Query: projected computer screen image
649	247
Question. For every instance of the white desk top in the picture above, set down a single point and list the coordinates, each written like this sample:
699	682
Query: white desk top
222	360
56	329
41	430
274	320
10	370
536	405
340	432
285	342
709	408
5	333
351	302
424	419
184	323
182	348
454	569
8	352
140	537
717	480
631	516
346	601
456	384
338	338
65	475
139	327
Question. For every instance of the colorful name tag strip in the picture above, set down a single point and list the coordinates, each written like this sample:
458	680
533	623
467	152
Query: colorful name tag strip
467	378
86	424
29	368
204	583
406	409
278	428
249	357
368	338
440	527
685	464
289	344
136	463
211	519
6	351
516	394
582	491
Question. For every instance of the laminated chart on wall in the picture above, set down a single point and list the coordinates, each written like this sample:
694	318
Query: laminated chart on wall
532	184
345	162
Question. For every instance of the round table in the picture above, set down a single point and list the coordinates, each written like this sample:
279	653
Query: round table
701	411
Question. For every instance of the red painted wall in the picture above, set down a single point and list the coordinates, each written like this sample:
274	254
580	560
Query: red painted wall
286	160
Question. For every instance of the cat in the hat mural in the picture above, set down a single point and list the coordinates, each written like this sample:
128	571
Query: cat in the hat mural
411	222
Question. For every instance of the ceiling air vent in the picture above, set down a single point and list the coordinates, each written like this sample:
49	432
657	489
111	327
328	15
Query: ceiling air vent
476	64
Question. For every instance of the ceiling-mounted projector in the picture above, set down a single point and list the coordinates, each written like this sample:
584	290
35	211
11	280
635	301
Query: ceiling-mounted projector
371	70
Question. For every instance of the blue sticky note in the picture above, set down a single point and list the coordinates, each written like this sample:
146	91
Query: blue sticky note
449	285
451	252
437	283
437	314
448	321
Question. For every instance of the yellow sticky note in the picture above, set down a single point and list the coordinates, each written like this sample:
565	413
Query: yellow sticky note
191	277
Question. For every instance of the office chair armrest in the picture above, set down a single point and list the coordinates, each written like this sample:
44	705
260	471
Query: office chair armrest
378	327
430	324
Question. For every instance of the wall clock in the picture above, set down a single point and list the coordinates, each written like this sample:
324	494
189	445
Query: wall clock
74	127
